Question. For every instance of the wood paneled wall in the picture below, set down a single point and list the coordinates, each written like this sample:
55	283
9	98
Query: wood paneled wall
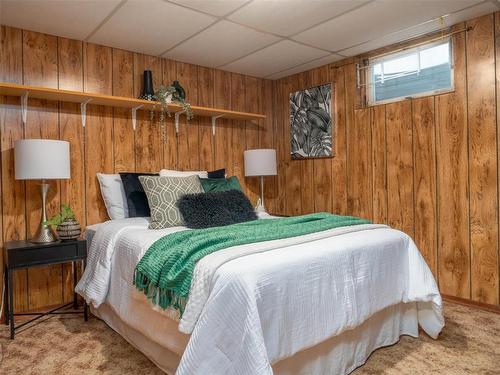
427	166
108	143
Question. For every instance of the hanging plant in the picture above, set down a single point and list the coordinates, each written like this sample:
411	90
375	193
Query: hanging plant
166	95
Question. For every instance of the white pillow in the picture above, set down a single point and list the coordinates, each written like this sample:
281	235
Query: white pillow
172	173
113	194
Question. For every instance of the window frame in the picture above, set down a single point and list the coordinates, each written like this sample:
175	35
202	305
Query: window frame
372	61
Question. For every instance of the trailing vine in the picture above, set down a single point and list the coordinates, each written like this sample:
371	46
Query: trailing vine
166	95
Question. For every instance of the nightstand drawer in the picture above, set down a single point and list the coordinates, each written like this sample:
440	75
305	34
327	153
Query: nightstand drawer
47	254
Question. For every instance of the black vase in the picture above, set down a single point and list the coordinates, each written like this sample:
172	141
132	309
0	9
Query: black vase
180	91
147	86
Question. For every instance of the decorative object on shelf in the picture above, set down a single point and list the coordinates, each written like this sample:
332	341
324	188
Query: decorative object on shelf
67	227
181	93
42	159
311	122
166	95
147	86
260	162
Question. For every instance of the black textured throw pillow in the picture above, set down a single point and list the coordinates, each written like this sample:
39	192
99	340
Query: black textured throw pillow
215	209
219	173
137	201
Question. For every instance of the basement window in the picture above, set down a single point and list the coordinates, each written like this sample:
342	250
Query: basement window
419	71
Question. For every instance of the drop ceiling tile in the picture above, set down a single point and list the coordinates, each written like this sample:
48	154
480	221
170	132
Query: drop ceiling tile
375	20
220	44
70	19
150	27
275	58
292	16
471	12
215	7
307	66
424	28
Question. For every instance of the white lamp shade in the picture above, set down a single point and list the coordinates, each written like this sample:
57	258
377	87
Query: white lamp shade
261	162
42	159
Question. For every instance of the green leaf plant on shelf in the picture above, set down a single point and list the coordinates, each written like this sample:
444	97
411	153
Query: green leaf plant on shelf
67	227
166	95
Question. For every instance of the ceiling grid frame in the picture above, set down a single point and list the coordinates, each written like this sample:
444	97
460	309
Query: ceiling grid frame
321	56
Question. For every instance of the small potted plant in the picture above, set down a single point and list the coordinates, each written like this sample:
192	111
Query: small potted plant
67	227
166	95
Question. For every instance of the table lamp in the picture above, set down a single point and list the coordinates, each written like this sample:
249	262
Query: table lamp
260	162
42	159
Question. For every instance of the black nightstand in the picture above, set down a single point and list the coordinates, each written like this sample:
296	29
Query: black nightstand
24	254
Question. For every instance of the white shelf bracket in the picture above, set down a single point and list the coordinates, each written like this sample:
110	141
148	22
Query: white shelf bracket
214	119
134	116
83	110
24	107
177	115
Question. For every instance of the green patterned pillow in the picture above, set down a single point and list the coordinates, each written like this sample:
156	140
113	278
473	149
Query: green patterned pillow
220	184
163	193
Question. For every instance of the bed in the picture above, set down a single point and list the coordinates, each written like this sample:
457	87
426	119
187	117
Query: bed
315	304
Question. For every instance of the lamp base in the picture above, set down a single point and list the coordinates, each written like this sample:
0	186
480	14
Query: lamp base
260	202
44	234
260	206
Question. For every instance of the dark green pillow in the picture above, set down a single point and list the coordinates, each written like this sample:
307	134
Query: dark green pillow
220	184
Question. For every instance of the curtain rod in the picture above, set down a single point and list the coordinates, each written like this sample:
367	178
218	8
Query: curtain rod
417	44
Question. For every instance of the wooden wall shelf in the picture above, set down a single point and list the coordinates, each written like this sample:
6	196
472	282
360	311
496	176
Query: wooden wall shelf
25	91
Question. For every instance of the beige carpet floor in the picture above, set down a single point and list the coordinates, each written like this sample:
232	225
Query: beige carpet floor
469	344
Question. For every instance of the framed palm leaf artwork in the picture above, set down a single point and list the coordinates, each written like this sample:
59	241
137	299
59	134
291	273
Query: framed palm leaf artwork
311	123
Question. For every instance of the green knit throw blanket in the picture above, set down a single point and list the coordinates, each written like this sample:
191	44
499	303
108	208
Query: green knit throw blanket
164	273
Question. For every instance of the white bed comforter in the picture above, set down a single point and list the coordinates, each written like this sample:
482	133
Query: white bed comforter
256	304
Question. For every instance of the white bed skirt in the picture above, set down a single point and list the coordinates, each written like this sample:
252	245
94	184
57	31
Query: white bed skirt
338	355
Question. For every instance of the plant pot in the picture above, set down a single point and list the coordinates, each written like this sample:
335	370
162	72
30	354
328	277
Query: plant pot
68	230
